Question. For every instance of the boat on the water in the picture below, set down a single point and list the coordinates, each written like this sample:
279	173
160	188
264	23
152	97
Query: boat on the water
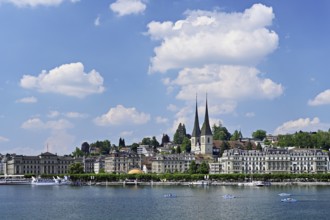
169	195
200	183
284	194
255	183
50	182
288	200
14	180
228	196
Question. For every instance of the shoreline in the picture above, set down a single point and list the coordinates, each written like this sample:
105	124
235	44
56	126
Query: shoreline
215	183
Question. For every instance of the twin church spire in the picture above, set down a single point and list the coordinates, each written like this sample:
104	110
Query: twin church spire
202	139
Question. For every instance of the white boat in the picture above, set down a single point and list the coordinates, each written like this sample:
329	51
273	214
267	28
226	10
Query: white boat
228	196
169	195
14	180
284	194
255	183
201	183
50	182
288	200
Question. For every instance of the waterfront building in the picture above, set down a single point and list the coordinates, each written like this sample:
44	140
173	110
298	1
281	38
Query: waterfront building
45	163
202	139
215	168
171	163
121	162
99	164
274	160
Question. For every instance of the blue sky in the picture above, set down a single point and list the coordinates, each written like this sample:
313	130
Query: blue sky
75	71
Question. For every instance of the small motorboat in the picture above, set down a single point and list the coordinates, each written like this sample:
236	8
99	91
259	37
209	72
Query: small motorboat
288	200
284	194
228	196
169	195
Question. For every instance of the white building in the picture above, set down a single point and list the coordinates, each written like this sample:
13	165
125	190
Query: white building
274	160
171	163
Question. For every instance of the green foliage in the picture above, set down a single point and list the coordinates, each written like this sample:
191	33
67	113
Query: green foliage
76	168
259	134
78	153
186	145
103	146
220	133
237	135
121	142
320	139
165	139
154	142
192	167
180	134
259	147
146	141
203	168
134	147
249	146
178	150
224	146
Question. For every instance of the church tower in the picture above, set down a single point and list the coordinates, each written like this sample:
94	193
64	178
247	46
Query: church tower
196	134
206	134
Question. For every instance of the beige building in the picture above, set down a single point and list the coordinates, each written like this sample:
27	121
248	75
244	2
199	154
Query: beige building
121	162
274	160
45	163
171	163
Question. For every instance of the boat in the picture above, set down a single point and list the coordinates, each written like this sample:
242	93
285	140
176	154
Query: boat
14	180
228	196
50	182
284	194
288	200
255	183
200	183
169	195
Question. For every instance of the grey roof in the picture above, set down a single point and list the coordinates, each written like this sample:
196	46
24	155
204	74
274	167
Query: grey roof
196	131
206	129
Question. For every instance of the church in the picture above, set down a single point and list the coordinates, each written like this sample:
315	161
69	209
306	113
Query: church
202	139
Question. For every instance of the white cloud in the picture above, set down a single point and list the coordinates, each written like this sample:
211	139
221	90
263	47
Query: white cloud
127	7
38	124
250	114
226	82
301	124
172	108
121	115
126	133
3	139
97	21
75	115
206	37
53	114
161	120
321	99
60	142
68	79
35	3
28	100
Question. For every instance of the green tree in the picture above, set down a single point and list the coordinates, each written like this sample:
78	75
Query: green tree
259	134
85	148
179	134
78	153
121	142
146	141
259	147
237	135
220	133
203	168
224	146
178	150
186	145
165	139
192	167
76	168
105	147
249	146
134	147
154	142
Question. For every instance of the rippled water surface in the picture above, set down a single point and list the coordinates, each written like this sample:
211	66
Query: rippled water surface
146	202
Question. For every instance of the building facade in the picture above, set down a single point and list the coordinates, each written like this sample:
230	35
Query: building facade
45	163
274	161
202	139
121	162
171	163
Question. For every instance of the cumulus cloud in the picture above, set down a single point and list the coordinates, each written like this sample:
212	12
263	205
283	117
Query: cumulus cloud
161	120
35	3
122	115
97	21
28	100
38	124
3	139
321	99
226	82
301	124
127	7
206	37
68	79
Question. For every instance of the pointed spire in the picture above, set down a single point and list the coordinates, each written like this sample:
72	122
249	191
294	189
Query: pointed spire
196	131
206	129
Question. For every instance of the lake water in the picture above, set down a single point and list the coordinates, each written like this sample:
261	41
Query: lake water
148	202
